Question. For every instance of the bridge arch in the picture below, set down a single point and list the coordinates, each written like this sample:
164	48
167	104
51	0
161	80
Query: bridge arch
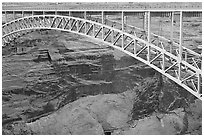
179	70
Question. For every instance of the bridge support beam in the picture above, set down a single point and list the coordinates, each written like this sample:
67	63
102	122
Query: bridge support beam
23	14
123	22
199	84
148	34
172	32
14	17
6	18
180	45
85	15
103	22
145	21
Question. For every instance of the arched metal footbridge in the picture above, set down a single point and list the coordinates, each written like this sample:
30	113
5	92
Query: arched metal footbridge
170	58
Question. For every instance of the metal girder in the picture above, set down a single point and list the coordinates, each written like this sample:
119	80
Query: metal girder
59	22
80	28
144	48
89	29
67	22
98	32
155	58
128	44
180	45
117	40
73	24
109	32
53	22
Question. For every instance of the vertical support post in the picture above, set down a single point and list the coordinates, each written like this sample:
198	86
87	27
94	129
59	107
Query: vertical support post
23	14
14	15
125	19
6	19
77	25
85	15
163	60
93	30
145	21
135	47
149	34
43	12
180	45
69	13
102	21
199	84
55	12
172	32
122	19
32	13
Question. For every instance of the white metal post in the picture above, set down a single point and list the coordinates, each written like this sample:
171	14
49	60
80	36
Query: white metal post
125	19
145	21
135	47
172	32
14	15
199	84
149	34
102	21
78	25
122	19
85	15
93	30
6	19
23	14
180	45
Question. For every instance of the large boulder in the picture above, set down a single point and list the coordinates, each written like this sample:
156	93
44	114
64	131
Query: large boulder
158	124
89	115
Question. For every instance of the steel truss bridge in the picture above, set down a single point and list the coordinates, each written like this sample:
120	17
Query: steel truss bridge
166	56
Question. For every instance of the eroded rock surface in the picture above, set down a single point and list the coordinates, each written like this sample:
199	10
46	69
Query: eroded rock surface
108	113
89	115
